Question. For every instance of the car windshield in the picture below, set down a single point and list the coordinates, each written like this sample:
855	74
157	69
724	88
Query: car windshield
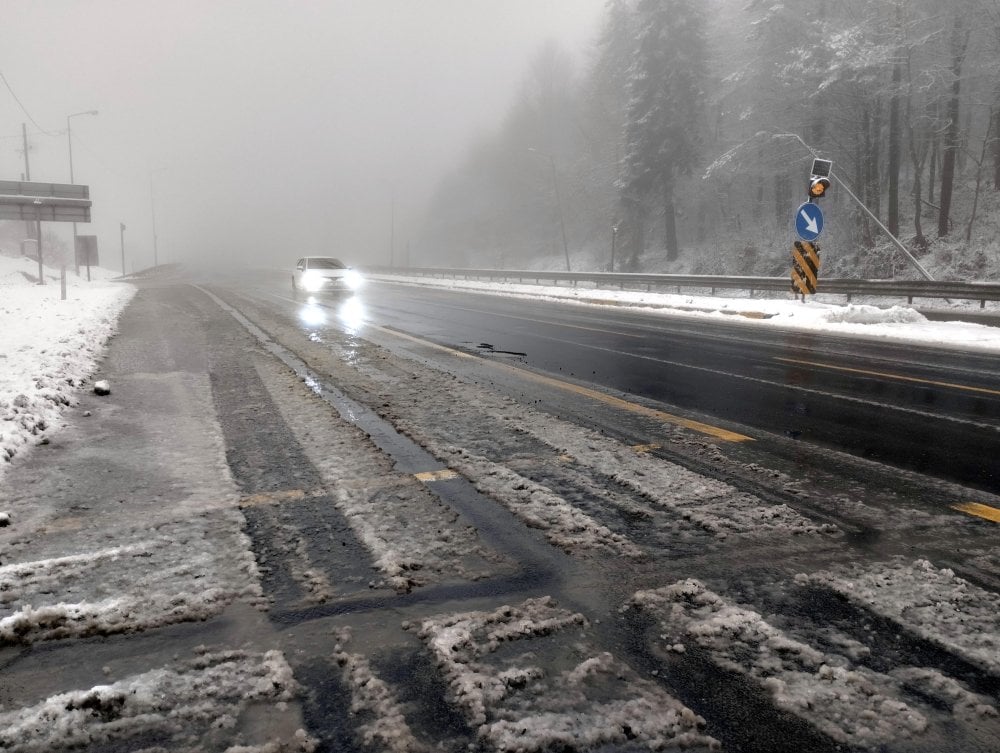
325	263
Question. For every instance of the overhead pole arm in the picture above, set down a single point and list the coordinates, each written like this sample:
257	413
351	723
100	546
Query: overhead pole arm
896	242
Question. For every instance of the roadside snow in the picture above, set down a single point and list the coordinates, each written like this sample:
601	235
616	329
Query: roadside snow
49	347
891	322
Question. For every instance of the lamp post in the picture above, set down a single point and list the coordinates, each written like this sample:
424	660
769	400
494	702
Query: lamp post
121	226
152	208
555	187
614	238
69	141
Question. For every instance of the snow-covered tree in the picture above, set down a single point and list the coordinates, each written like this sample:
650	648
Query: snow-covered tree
665	111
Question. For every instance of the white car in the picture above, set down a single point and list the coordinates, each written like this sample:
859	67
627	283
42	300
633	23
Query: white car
317	274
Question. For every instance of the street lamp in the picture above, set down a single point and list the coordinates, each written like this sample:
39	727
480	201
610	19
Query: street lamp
69	140
555	186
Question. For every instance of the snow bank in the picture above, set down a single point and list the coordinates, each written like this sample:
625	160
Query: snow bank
49	348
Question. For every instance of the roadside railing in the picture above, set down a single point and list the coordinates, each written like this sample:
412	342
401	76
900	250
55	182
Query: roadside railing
908	289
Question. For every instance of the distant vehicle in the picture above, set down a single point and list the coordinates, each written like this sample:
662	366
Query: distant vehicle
317	274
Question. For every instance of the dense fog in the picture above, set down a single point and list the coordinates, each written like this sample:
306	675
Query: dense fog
259	131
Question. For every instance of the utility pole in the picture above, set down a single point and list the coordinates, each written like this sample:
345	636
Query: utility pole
38	223
122	228
152	207
69	141
614	237
555	188
27	166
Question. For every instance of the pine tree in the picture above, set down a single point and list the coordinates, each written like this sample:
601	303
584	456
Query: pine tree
664	116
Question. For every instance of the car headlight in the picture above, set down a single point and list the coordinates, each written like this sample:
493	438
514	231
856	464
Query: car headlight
353	279
312	281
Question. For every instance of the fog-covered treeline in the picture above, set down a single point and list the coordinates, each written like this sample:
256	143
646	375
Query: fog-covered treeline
684	132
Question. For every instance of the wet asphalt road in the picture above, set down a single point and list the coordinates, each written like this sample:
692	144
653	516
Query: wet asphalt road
928	409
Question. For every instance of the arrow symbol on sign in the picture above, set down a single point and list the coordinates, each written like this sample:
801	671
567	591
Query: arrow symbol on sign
811	225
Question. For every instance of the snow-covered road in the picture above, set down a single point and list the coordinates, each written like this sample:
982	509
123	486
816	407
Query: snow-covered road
266	572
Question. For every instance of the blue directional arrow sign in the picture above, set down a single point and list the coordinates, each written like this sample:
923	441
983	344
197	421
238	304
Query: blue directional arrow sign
809	221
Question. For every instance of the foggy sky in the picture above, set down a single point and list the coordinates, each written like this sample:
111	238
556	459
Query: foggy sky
270	129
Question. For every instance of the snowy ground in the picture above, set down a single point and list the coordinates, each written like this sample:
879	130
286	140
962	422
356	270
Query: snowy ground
48	346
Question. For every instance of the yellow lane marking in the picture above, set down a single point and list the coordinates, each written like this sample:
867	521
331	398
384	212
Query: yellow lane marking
980	511
719	433
62	525
421	341
272	498
887	375
642	449
442	475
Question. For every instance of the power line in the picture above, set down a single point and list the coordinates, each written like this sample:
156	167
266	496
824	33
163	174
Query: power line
23	108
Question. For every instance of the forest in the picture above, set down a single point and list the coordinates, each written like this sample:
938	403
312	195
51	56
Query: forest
683	142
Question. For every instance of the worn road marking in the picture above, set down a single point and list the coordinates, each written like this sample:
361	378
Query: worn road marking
719	433
889	375
980	511
272	498
643	449
442	475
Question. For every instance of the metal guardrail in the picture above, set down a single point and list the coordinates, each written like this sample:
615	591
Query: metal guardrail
909	289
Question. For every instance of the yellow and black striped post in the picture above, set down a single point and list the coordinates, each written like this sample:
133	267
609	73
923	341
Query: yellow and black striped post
805	267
